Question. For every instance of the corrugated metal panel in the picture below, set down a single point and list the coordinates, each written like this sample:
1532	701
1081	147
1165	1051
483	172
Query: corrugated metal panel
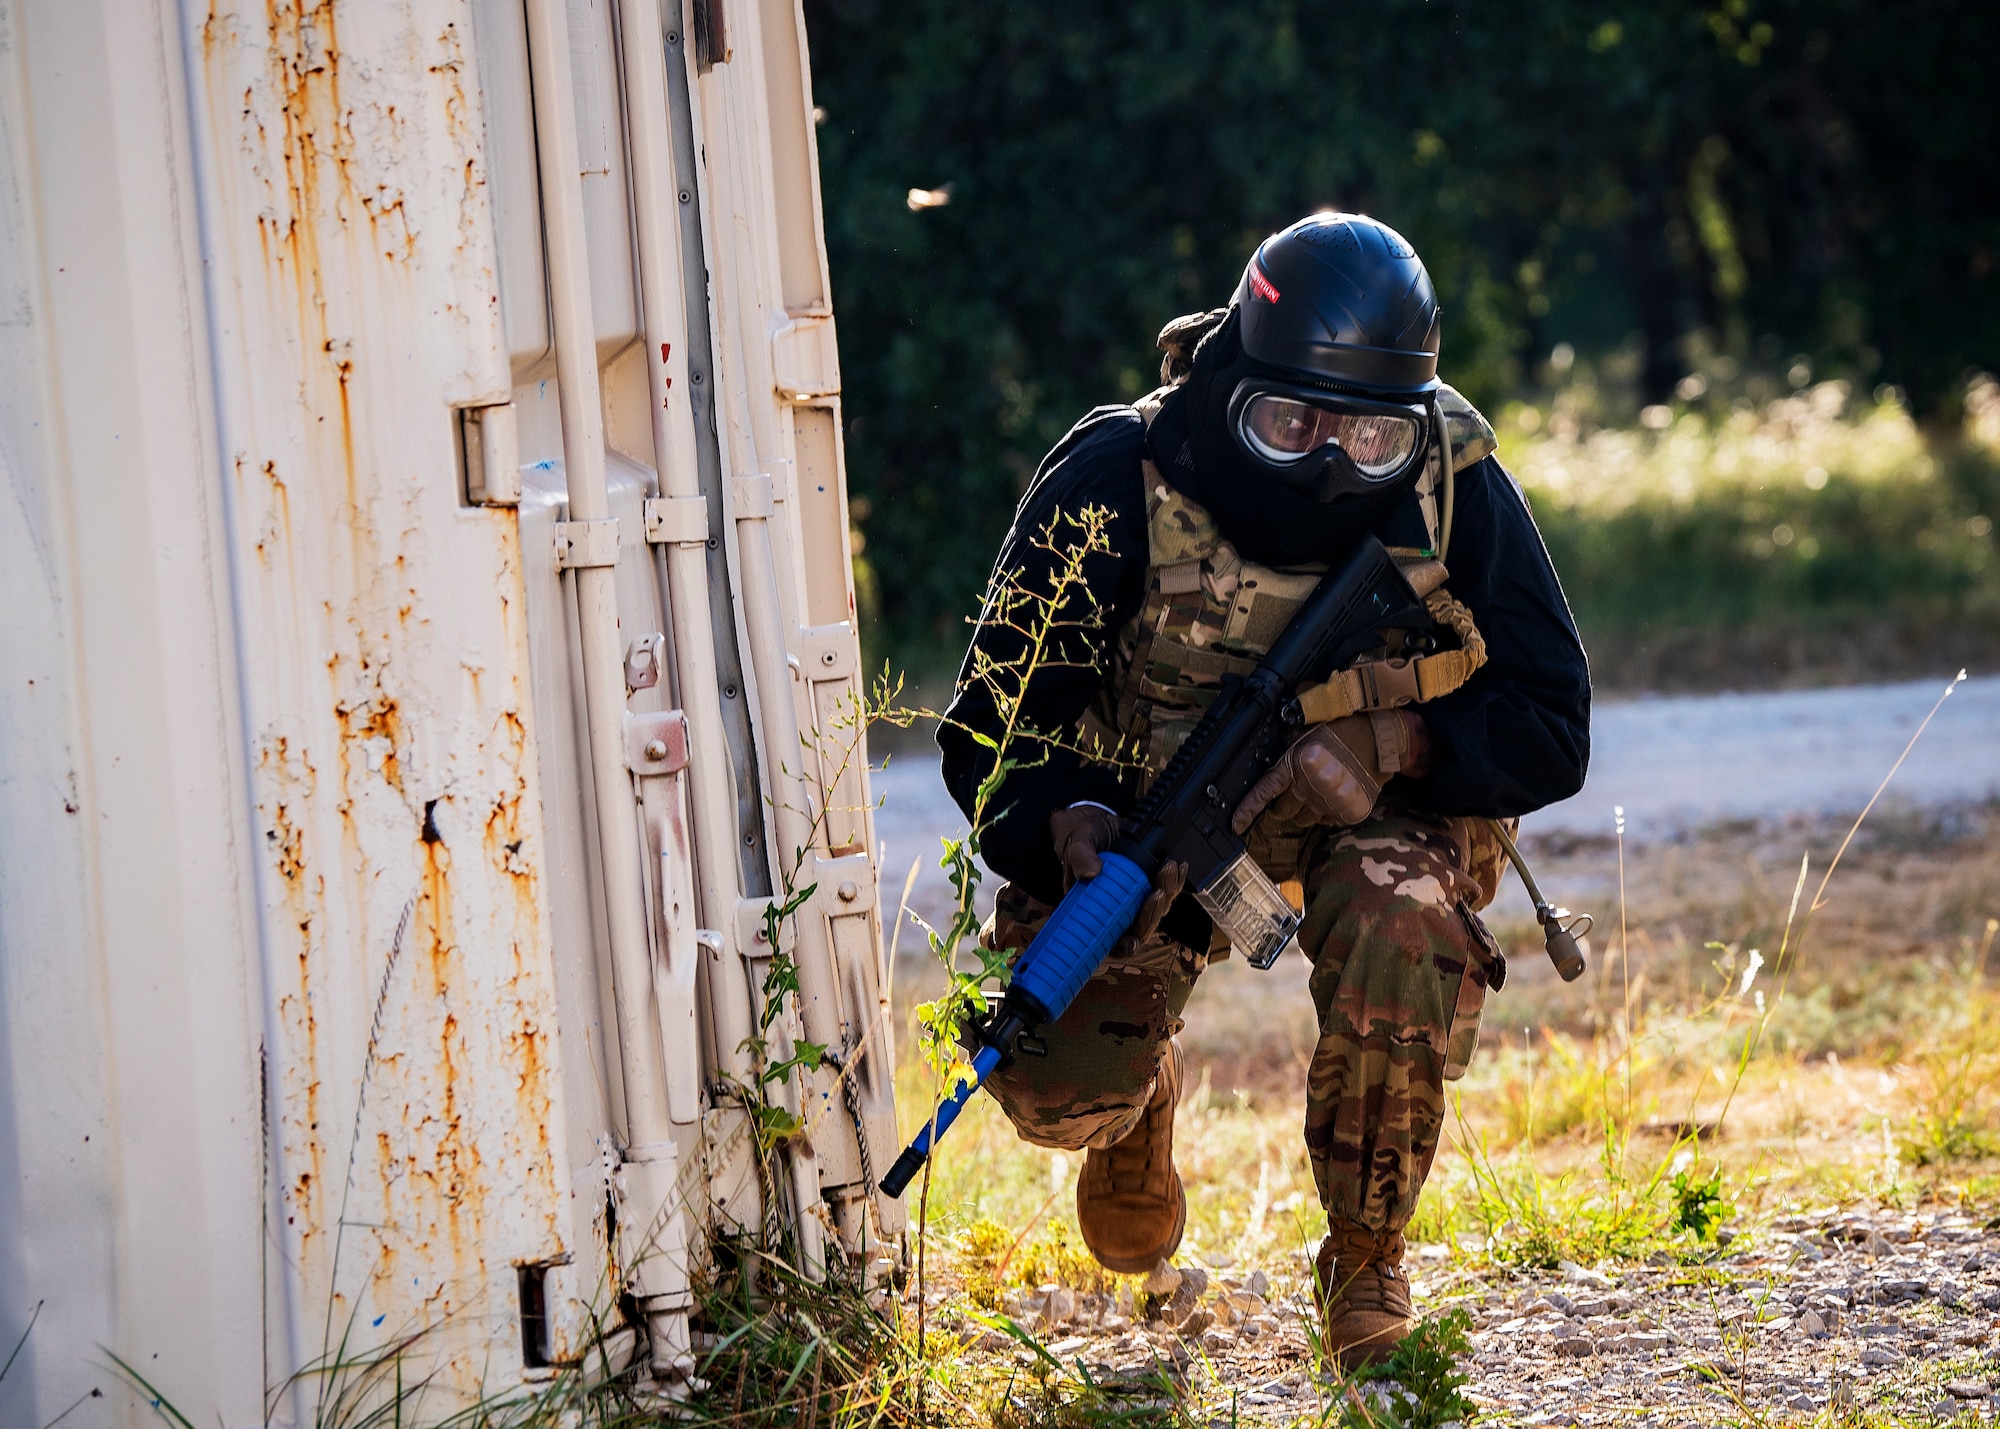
309	1036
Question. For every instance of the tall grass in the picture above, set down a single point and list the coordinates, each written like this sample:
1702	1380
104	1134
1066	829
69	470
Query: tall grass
1725	542
1745	536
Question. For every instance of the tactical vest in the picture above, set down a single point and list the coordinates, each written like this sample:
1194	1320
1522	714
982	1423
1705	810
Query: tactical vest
1208	613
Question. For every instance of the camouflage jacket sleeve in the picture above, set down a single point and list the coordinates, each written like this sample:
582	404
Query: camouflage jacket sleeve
1095	465
1516	737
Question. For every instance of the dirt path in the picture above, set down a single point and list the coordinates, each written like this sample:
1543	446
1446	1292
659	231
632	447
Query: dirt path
1672	764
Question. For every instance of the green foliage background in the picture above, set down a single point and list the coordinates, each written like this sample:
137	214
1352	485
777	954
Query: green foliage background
1774	177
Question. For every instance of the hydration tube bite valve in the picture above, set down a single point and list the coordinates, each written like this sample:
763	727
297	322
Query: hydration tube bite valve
1561	929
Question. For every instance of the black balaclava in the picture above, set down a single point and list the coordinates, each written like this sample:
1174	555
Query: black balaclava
1267	520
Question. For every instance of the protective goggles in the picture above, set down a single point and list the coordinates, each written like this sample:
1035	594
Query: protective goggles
1286	426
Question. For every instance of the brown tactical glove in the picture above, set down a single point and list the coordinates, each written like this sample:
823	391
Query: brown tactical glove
1167	886
1082	832
1334	773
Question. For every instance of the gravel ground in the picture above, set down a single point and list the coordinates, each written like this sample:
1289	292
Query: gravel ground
1873	1310
1862	1308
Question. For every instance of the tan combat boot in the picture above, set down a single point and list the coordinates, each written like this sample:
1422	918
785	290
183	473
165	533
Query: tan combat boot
1129	1202
1364	1296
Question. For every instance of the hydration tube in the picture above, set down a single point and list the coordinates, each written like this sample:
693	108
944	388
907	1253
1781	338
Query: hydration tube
1561	929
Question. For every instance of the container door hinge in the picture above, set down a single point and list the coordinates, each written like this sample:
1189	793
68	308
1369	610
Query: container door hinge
583	544
677	520
489	448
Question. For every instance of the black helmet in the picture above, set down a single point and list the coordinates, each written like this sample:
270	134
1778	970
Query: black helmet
1340	298
1310	409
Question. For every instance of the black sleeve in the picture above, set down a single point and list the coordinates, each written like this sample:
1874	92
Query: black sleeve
1516	736
1097	464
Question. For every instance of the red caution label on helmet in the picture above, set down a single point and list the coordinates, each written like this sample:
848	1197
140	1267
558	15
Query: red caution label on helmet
1262	286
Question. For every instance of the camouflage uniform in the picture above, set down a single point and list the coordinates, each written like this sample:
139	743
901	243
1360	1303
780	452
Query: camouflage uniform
1401	968
1401	962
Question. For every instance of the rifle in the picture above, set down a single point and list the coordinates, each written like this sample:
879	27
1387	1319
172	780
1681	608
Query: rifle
1185	817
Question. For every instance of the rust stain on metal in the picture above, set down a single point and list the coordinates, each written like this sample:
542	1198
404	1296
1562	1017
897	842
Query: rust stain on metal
374	727
292	780
334	163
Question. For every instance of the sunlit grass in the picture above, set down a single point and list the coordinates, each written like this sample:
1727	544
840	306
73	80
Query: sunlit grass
1732	542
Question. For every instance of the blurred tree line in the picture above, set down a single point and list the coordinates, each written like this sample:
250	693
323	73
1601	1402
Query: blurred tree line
1762	178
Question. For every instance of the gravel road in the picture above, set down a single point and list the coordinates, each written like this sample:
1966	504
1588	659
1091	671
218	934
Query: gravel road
1673	764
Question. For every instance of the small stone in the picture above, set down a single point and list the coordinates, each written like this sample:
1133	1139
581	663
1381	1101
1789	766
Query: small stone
1221	1262
1195	1324
1216	1341
1575	1347
993	1342
1873	1358
1259	1284
1238	1305
1163	1280
1114	1324
1813	1326
1182	1302
1058	1305
1801	1401
1261	1325
1968	1389
1639	1342
1574	1274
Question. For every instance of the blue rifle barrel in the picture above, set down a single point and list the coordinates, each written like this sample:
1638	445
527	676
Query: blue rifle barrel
1070	948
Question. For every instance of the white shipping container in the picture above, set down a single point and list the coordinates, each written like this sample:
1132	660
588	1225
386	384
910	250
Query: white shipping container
428	652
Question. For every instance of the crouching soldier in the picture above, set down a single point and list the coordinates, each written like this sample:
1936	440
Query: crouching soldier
1303	416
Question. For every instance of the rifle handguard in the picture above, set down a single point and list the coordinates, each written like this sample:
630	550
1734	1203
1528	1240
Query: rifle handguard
1072	945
